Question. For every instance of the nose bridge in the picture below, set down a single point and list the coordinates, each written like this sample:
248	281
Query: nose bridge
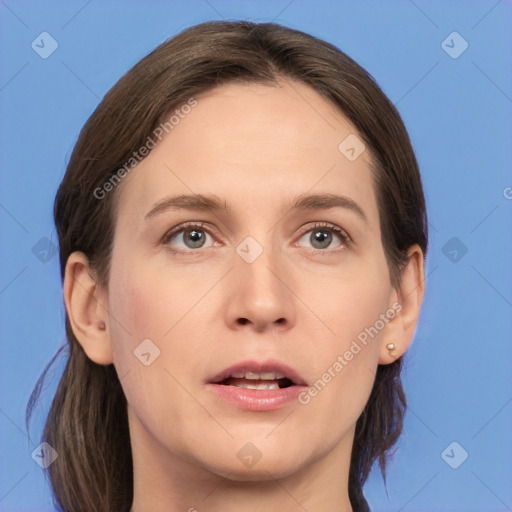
262	294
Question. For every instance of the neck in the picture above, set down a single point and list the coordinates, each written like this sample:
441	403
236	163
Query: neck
165	482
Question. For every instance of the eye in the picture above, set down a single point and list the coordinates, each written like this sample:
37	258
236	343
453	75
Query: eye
192	235
322	235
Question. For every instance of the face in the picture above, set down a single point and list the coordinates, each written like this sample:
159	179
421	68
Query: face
264	283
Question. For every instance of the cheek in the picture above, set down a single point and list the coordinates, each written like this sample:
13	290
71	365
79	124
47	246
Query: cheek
134	306
141	312
137	313
145	304
141	301
345	362
354	298
352	306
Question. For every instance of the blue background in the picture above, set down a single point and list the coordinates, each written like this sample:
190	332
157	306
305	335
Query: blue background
458	113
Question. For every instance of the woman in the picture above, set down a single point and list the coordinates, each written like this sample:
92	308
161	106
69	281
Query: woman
242	236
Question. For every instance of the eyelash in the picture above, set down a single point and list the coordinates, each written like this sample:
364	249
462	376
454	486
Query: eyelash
324	226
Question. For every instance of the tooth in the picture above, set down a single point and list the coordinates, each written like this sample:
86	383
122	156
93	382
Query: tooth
269	386
280	375
260	376
258	386
238	375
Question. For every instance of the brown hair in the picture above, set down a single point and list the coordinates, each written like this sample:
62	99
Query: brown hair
87	423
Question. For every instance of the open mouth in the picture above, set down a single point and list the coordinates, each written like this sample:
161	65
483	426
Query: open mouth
257	383
268	375
257	386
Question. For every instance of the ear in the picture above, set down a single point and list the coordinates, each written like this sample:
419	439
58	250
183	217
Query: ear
86	305
406	301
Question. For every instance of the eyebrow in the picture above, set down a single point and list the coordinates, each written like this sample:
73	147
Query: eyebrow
304	202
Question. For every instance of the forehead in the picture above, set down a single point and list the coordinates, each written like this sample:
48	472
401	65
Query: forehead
252	144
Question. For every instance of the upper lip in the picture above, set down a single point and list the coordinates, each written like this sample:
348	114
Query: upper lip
270	365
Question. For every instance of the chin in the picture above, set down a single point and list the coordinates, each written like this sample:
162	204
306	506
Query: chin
267	468
257	475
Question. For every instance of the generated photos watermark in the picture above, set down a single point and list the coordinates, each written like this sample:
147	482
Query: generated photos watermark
342	360
151	142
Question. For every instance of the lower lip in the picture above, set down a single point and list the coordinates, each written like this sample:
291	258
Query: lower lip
256	399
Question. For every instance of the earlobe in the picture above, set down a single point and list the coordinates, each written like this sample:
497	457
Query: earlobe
409	296
86	306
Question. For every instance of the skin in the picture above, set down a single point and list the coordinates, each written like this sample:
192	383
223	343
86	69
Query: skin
257	147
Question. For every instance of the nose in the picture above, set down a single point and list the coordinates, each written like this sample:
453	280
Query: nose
261	295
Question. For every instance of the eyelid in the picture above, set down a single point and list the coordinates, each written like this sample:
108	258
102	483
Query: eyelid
346	241
342	233
191	224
